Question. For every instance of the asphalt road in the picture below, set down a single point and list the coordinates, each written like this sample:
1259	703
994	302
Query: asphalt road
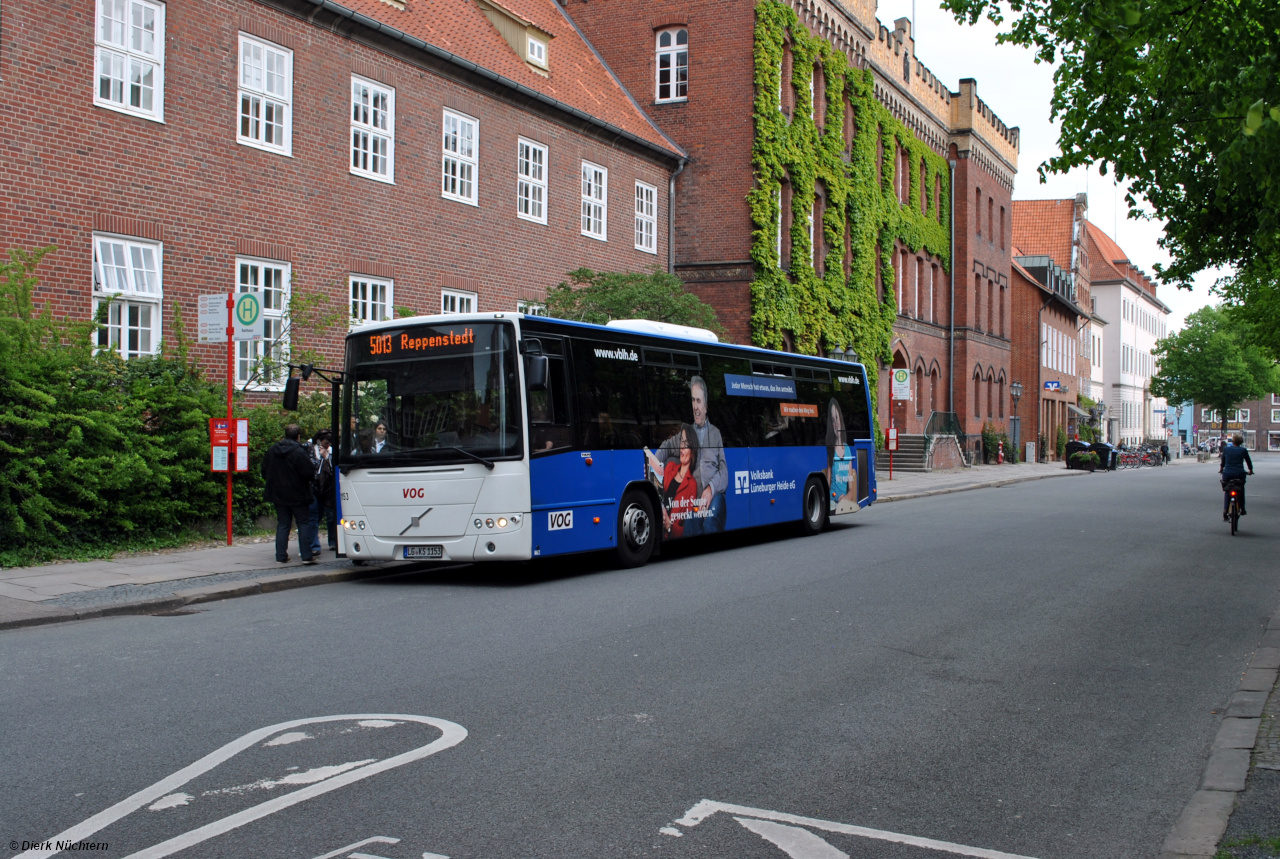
1037	670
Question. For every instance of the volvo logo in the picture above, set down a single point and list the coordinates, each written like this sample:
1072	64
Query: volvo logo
415	521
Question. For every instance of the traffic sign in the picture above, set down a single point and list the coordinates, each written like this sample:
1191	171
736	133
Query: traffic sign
248	316
212	319
901	384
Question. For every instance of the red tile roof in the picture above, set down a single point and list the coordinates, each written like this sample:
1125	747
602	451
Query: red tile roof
1108	261
578	79
1043	228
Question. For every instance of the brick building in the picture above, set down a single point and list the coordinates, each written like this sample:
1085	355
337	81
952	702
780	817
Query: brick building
692	66
1257	420
1047	328
1121	316
432	155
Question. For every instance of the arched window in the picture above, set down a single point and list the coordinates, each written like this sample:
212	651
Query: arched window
991	310
919	391
1002	228
933	390
977	210
673	64
1000	398
990	396
977	394
991	219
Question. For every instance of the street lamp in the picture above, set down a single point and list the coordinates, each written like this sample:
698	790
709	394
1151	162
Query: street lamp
1015	391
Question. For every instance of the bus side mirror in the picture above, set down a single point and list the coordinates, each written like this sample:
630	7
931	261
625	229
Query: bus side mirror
535	372
290	399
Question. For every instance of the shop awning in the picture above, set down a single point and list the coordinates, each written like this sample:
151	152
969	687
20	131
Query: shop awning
1079	411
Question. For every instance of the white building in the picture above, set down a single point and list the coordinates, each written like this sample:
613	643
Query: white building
1126	298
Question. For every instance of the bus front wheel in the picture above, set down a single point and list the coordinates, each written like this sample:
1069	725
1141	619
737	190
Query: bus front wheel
637	534
814	517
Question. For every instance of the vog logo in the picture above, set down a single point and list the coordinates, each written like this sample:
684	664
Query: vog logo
415	492
741	482
560	521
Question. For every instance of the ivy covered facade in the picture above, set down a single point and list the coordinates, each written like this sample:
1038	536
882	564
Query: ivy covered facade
837	195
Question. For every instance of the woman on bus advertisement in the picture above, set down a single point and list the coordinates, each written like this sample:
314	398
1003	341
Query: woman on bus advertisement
842	476
679	486
709	467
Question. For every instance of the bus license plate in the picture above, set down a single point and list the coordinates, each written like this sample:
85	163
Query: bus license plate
421	552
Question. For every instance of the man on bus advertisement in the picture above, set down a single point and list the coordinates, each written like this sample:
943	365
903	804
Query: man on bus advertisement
711	473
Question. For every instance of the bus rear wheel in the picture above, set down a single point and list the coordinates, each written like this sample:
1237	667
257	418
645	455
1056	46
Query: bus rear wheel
814	515
637	534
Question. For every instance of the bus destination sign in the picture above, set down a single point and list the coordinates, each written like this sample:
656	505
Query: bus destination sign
419	341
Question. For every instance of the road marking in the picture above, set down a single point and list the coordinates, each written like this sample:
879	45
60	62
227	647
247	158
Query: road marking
795	842
708	807
377	839
451	734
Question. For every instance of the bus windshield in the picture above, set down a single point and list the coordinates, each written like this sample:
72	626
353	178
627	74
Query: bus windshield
429	394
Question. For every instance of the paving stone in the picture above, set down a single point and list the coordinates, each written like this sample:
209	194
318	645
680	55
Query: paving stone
1265	657
1270	638
1237	734
1201	824
1227	770
1259	679
18	612
1246	705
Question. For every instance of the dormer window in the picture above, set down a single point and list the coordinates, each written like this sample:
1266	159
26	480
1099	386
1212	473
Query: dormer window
528	40
537	51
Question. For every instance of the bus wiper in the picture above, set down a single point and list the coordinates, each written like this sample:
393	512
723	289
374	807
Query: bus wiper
488	463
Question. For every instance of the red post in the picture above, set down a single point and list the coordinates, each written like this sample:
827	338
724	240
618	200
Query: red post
231	450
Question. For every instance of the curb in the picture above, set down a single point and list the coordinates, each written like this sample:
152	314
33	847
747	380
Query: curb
1197	831
209	593
1066	472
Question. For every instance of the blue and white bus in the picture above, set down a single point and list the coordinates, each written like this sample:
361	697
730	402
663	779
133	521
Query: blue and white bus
504	436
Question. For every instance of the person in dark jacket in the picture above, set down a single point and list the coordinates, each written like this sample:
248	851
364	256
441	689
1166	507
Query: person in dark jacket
288	473
1233	460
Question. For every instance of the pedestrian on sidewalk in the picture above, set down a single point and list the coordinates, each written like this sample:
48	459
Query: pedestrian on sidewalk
288	472
323	503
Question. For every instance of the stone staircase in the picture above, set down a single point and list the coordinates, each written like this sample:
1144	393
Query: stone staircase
910	455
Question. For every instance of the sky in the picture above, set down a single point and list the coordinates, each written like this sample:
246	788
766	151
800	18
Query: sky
1018	90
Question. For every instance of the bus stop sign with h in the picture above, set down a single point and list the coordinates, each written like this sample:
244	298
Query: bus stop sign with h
230	319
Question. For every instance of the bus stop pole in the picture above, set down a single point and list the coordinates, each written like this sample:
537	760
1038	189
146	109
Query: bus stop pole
231	450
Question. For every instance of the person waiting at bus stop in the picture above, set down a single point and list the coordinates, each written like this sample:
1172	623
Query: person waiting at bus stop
712	473
1233	460
287	471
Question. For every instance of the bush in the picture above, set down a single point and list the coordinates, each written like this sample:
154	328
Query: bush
98	453
1060	443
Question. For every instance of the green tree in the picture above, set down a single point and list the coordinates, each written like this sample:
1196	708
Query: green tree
1253	299
1213	361
1181	99
591	296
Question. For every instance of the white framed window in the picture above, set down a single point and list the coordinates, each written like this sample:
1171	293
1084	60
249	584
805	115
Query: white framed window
461	148
673	64
1275	399
457	301
1275	416
531	181
595	201
271	281
370	299
1242	415
373	130
530	308
646	218
129	57
128	273
266	93
537	51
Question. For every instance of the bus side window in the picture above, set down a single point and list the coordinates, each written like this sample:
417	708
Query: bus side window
609	393
549	412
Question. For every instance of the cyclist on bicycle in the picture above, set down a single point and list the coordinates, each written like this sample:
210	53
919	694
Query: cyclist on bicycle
1232	462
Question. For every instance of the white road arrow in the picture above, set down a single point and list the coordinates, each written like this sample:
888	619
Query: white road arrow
795	842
